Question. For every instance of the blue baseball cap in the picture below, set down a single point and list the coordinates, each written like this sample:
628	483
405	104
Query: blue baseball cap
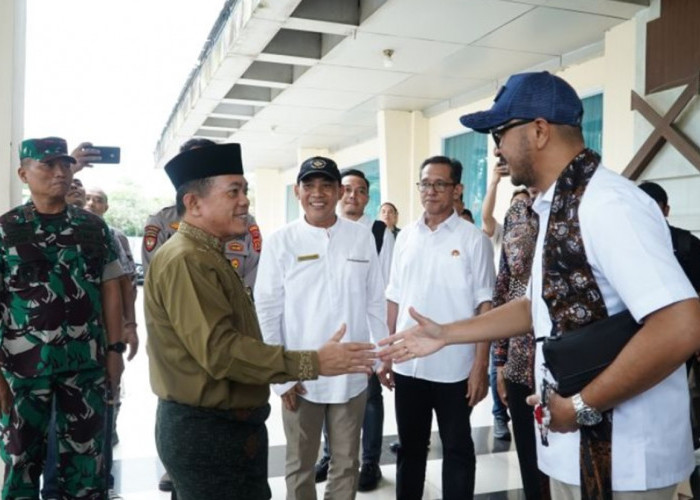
529	96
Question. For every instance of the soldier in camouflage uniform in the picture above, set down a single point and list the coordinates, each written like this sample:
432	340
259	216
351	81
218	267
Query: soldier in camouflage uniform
57	283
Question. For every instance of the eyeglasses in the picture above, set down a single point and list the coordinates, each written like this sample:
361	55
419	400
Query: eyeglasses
438	186
498	132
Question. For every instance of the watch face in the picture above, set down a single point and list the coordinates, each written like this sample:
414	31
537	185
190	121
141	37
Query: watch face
588	417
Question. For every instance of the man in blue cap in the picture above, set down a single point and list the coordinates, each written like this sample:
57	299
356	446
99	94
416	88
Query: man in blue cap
603	247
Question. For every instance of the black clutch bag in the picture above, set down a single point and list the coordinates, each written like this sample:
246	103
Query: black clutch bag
578	356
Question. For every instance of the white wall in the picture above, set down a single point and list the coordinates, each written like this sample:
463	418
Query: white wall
12	55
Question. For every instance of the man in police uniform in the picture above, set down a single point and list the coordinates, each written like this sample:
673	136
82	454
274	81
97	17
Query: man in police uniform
60	324
242	251
208	364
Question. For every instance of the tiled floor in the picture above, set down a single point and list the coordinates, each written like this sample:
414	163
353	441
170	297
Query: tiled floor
137	468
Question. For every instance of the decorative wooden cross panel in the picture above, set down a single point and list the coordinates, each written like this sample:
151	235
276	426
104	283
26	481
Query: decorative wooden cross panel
664	131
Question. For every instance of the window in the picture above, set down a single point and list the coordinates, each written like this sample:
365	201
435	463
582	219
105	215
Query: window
592	125
470	149
292	204
371	171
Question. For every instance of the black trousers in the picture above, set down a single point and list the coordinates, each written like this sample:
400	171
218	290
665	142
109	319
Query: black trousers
213	454
415	401
535	483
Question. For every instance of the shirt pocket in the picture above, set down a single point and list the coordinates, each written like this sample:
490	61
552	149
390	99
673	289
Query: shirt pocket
90	262
454	269
27	275
357	272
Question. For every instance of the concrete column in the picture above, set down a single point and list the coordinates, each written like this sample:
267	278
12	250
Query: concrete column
403	145
270	200
621	59
12	59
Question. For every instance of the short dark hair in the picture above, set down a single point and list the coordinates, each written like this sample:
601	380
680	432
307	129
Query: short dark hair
455	166
468	212
655	191
200	187
520	191
356	173
196	142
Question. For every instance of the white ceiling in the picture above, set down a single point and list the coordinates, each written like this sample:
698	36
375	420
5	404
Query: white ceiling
290	74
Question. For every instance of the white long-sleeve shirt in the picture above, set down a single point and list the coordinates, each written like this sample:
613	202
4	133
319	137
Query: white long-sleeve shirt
310	281
387	250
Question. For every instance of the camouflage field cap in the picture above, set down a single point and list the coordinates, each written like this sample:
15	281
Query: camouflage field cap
46	149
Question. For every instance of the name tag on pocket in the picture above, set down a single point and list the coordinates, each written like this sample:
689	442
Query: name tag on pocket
303	258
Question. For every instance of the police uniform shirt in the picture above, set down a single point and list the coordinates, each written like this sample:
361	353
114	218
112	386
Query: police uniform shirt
311	280
651	441
126	258
444	274
242	252
52	267
204	342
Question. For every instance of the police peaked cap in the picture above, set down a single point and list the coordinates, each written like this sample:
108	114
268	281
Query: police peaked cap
208	161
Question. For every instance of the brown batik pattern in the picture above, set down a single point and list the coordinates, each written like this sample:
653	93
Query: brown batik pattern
574	300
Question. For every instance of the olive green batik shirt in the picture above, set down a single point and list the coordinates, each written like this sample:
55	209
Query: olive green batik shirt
204	343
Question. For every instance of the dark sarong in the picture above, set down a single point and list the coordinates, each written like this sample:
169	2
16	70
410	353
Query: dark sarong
214	454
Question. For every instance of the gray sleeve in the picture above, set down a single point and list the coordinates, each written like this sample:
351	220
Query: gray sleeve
112	270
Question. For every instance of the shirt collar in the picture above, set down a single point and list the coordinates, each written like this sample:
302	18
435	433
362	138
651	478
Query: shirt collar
324	230
544	200
210	241
364	220
450	223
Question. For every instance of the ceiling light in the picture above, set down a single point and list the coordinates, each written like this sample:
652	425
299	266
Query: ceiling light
388	55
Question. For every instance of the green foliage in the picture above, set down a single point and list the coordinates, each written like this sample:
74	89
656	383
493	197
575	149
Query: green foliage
129	208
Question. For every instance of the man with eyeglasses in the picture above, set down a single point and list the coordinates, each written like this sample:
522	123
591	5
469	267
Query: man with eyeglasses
444	265
603	247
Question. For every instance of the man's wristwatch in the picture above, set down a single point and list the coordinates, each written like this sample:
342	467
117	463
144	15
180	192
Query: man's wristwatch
118	347
585	415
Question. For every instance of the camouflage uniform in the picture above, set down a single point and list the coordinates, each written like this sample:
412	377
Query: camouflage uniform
53	345
243	252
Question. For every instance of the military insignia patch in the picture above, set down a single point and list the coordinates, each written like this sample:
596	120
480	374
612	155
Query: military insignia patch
235	263
175	225
318	163
234	246
150	237
257	238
